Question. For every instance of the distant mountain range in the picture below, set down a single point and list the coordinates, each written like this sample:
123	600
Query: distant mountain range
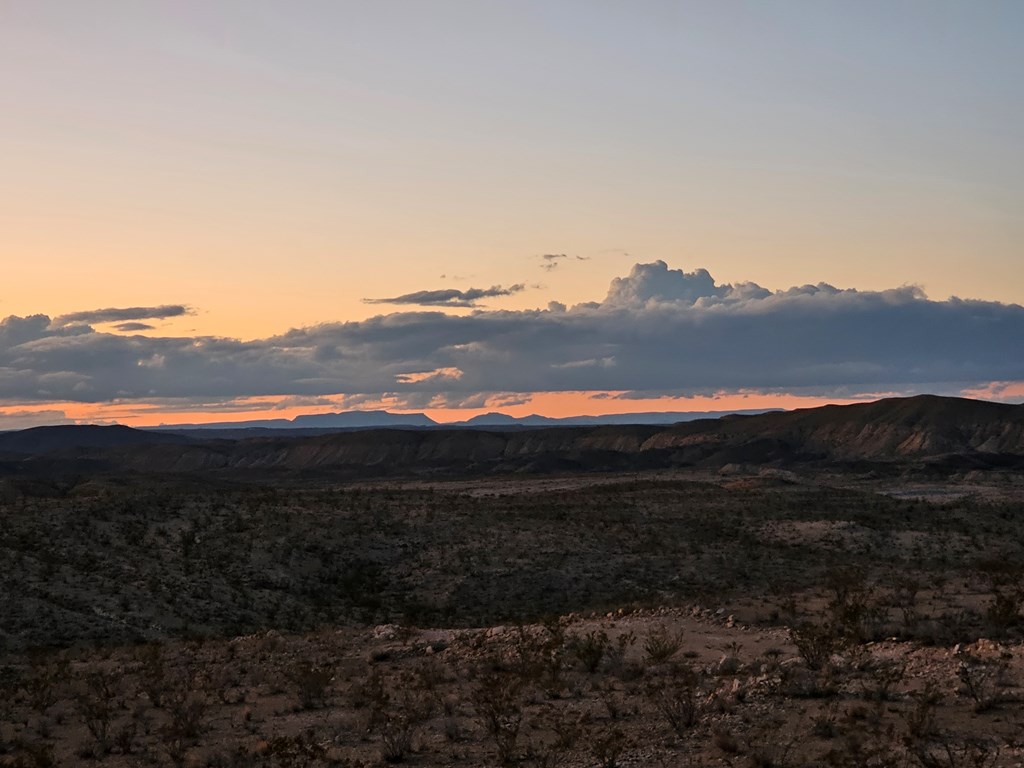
345	420
944	434
645	417
382	419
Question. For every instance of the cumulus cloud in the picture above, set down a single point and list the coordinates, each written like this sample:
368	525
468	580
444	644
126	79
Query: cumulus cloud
450	297
658	330
121	314
655	282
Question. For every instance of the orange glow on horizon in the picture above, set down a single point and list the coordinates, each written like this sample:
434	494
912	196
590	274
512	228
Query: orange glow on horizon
553	404
564	404
997	390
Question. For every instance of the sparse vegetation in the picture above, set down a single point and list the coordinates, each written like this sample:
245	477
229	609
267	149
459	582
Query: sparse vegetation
642	621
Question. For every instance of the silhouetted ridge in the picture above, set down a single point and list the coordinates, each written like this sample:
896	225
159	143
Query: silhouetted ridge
41	440
919	429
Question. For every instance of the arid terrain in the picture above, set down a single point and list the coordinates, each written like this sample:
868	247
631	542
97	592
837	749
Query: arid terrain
854	600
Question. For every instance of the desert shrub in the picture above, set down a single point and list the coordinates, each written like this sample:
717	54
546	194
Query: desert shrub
400	722
920	720
497	698
980	681
615	655
29	756
661	645
905	601
824	723
862	746
589	649
1006	586
152	673
680	700
880	679
723	738
539	656
311	680
972	753
1004	609
97	701
607	746
815	643
551	753
47	677
300	751
186	705
852	607
429	674
770	743
396	739
372	695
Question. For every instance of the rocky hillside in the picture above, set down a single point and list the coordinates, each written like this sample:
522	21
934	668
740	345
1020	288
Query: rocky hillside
891	429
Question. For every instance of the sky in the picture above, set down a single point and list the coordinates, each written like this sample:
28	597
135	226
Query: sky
212	211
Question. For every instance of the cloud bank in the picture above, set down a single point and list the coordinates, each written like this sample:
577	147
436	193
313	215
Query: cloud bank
658	330
450	297
122	314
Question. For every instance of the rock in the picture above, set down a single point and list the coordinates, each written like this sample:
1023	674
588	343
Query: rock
385	632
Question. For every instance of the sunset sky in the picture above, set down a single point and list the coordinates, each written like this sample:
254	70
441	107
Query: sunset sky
225	210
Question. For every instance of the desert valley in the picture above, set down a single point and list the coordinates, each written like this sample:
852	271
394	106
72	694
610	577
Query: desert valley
835	586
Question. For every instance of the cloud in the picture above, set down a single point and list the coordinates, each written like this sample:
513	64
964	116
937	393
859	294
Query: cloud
655	282
134	327
300	402
121	314
552	260
658	330
450	297
11	420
